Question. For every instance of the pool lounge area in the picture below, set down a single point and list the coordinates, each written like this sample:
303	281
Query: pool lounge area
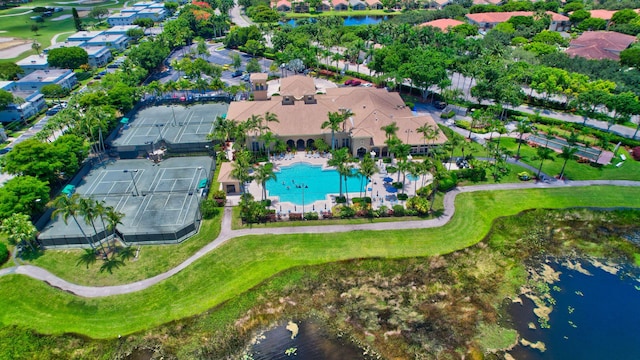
318	193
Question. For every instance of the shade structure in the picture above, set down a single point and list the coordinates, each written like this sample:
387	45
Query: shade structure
387	179
391	189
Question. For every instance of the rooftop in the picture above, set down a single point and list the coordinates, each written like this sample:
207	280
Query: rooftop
33	60
94	50
600	45
108	38
85	35
500	17
51	75
443	24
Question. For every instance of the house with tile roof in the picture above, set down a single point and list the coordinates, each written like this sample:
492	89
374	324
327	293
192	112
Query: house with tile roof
487	21
598	45
323	6
358	4
283	6
374	4
443	24
340	5
301	112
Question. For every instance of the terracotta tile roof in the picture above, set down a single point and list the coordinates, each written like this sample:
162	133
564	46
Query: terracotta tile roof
600	45
443	24
258	76
283	2
373	2
373	108
224	176
297	86
486	2
602	14
339	2
500	17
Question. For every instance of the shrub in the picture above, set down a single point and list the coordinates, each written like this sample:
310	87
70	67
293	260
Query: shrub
410	212
220	197
347	212
419	204
398	210
398	185
447	182
391	169
386	160
448	115
341	199
424	191
266	202
4	253
209	208
311	215
409	104
473	174
636	153
403	196
383	211
295	216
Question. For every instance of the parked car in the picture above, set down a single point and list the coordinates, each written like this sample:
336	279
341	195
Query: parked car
236	73
348	82
245	77
226	67
356	83
440	105
54	110
5	150
367	85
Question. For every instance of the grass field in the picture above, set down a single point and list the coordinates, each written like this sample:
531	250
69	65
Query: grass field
244	262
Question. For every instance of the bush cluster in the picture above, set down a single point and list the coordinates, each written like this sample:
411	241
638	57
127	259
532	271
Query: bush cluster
209	209
4	253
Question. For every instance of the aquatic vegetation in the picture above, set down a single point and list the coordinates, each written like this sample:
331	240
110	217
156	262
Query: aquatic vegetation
291	351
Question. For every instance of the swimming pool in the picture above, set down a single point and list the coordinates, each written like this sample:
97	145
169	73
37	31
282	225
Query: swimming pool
318	182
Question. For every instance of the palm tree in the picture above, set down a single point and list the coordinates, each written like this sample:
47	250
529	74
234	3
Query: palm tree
88	211
262	174
390	130
269	117
415	170
567	154
68	206
345	169
338	158
402	151
335	119
454	142
368	167
114	218
429	133
523	126
543	153
126	253
241	167
268	138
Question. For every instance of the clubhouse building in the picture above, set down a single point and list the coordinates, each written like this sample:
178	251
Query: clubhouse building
301	108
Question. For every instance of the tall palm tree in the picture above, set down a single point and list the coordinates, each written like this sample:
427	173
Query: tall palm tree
114	218
67	206
334	122
390	130
542	154
454	142
345	169
429	133
567	154
262	174
88	257
415	170
523	126
338	158
368	167
241	167
269	117
268	138
86	208
402	152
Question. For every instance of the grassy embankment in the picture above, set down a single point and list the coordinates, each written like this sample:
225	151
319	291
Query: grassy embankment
245	262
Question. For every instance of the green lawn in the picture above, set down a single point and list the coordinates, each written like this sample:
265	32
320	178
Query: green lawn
243	263
152	260
630	170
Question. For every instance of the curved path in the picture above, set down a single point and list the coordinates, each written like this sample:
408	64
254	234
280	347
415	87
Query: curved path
17	14
226	234
54	39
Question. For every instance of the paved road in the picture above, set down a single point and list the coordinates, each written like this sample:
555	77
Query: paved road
237	17
226	234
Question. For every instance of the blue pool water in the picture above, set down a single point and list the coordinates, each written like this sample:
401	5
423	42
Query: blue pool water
318	183
595	317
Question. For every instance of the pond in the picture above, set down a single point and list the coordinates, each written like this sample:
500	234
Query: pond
348	21
311	342
596	316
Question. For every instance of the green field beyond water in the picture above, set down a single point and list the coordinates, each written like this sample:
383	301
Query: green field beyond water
244	262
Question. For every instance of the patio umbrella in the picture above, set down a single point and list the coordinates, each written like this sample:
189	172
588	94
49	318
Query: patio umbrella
391	189
387	179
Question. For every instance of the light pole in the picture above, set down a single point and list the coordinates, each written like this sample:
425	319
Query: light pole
153	147
158	126
408	131
133	179
174	115
303	186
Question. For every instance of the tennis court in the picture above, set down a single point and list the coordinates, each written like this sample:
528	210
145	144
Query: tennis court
168	125
160	201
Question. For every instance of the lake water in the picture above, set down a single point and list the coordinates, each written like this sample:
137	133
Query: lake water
350	20
595	317
310	343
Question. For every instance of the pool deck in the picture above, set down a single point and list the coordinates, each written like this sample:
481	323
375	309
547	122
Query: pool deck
378	193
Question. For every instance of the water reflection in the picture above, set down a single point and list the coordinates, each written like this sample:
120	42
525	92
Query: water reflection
594	317
311	343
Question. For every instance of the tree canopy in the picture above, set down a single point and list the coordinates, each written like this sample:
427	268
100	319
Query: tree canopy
68	58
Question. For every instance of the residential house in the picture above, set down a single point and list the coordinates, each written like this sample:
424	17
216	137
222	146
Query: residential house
300	7
487	2
120	29
39	78
99	56
374	4
487	21
33	63
122	18
600	45
83	36
116	42
283	6
32	103
358	5
340	5
301	112
323	6
443	24
153	14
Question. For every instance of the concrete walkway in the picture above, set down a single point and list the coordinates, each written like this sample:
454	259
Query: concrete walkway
226	234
